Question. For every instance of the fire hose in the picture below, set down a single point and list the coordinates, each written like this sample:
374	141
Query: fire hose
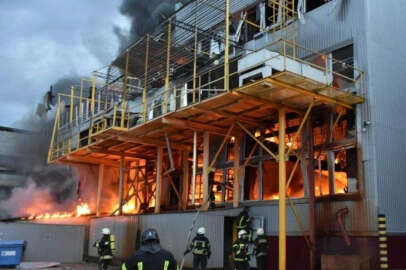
191	230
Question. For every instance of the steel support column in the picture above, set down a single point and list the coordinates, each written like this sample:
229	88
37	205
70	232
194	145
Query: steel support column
226	47
185	179
158	189
194	168
282	190
124	95
144	90
237	173
120	187
312	200
168	62
99	190
205	176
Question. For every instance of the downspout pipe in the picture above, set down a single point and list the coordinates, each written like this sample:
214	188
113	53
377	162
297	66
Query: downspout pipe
340	221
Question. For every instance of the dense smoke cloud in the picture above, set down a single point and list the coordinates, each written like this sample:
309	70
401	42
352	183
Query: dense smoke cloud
47	187
145	16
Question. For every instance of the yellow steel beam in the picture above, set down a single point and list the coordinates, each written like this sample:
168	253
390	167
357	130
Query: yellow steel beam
205	174
292	173
237	169
256	139
299	221
250	155
221	147
168	63
51	147
124	95
300	127
282	190
188	124
72	92
306	92
93	92
144	91
195	57
226	48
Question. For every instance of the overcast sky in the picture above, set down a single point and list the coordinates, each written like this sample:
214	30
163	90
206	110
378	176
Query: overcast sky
44	40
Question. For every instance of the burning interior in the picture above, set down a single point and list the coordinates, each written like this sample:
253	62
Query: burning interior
189	114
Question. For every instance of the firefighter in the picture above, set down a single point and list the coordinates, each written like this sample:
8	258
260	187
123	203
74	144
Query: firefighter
244	223
200	248
241	256
105	248
261	249
150	256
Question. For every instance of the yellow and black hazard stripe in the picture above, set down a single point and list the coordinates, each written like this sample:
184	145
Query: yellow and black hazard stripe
383	242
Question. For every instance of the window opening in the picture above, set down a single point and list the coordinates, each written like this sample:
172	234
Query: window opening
313	4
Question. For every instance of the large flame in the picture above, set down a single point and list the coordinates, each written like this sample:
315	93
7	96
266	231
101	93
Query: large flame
82	209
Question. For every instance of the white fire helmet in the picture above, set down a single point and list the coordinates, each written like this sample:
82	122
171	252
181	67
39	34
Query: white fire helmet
201	230
260	231
242	234
105	231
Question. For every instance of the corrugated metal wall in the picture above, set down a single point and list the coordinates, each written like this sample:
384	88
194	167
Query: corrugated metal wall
331	26
386	38
45	242
124	230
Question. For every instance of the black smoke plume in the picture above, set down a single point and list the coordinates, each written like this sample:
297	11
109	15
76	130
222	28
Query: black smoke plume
51	187
145	16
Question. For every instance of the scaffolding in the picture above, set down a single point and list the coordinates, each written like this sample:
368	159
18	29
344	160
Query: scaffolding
193	74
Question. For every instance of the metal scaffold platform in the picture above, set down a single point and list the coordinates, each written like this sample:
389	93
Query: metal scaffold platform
191	75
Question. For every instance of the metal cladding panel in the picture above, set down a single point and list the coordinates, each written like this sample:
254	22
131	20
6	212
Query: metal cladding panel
270	212
329	27
386	55
45	242
173	231
123	228
355	224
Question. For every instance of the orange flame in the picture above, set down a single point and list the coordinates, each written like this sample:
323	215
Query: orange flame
82	209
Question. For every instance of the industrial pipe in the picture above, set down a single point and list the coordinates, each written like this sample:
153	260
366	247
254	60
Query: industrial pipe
339	217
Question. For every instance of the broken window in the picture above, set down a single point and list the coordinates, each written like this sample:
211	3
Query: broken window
336	162
271	180
230	149
198	190
313	4
251	184
228	185
343	67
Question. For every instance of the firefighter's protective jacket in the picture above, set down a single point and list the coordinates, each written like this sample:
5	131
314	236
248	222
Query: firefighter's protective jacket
146	260
243	220
240	251
261	246
106	247
200	245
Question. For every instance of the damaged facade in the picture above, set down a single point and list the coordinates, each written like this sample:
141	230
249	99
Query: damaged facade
289	96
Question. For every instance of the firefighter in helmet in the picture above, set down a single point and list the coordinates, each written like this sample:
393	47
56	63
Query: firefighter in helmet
150	256
244	223
200	247
105	249
261	249
241	256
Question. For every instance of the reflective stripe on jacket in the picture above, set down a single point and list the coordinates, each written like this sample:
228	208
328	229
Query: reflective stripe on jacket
240	251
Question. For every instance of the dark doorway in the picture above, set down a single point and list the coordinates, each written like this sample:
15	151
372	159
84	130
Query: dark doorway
228	242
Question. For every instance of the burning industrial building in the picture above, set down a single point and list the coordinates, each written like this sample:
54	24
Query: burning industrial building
215	105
